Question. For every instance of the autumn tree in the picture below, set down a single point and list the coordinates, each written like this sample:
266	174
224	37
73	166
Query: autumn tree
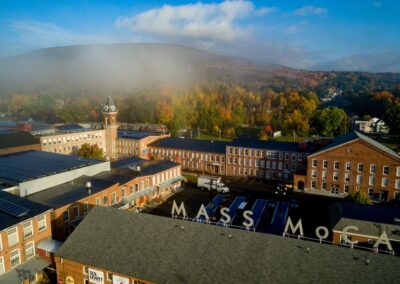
91	151
329	122
358	197
392	119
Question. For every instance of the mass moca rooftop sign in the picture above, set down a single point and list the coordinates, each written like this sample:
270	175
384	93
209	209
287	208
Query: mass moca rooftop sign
321	232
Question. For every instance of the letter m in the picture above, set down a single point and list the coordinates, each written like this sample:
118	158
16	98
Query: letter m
175	212
293	229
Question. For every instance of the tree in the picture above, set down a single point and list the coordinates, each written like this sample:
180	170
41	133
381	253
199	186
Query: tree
392	119
329	122
359	197
91	151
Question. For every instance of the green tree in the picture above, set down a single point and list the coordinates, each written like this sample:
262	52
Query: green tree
91	151
392	119
329	122
359	197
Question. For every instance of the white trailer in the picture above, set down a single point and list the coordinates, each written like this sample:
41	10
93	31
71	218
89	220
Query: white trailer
211	183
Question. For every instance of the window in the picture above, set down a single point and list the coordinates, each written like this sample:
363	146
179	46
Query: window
385	170
1	243
286	156
12	236
384	182
114	196
359	179
98	201
42	222
109	276
314	163
123	192
346	188
323	186
334	189
325	164
324	175
370	192
346	177
313	184
29	250
2	270
335	176
28	229
372	169
85	270
14	258
75	212
85	208
371	180
336	165
397	184
66	215
360	167
398	172
105	200
348	166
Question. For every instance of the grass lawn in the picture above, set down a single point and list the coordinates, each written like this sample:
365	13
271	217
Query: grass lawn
207	136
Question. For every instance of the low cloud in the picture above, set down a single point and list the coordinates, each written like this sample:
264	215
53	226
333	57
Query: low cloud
204	22
309	10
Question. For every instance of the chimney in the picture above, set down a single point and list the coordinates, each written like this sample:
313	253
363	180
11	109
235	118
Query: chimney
88	186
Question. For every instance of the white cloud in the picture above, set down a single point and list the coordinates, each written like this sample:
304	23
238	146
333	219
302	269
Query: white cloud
310	10
203	22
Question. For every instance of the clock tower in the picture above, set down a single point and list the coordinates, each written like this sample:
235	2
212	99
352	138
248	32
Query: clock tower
110	126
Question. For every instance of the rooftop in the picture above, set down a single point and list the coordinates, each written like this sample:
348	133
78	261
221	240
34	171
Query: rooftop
23	166
75	190
270	145
8	219
192	145
189	252
353	136
147	167
9	139
133	134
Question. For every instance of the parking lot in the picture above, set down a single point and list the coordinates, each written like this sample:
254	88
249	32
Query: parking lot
313	210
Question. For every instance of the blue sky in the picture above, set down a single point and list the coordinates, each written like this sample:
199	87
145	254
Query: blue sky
316	35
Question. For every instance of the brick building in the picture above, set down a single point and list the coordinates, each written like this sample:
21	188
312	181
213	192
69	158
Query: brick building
23	226
193	155
17	141
349	163
153	249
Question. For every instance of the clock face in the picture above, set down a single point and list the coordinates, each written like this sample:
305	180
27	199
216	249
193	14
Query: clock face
112	108
69	280
106	108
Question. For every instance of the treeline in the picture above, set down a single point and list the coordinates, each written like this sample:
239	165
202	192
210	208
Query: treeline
215	107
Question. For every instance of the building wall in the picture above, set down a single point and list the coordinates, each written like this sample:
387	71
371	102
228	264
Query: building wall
127	147
70	143
261	163
207	162
356	153
113	195
36	237
110	126
78	272
34	147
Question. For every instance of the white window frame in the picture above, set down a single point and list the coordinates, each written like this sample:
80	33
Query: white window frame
334	165
16	233
372	166
1	242
358	167
384	184
323	164
314	161
383	170
397	184
33	247
31	229
19	258
45	222
85	208
2	266
398	172
348	166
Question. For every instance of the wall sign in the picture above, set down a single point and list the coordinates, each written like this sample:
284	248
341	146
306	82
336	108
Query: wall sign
120	280
95	276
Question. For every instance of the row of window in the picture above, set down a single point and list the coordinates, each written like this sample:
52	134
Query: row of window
15	257
176	154
262	164
109	276
360	167
13	234
130	143
260	173
73	138
265	154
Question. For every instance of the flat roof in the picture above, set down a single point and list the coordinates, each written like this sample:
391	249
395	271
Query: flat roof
9	139
147	167
133	134
268	145
24	166
192	145
9	220
189	252
75	190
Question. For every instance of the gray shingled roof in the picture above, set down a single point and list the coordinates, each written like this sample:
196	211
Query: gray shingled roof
157	249
352	136
9	139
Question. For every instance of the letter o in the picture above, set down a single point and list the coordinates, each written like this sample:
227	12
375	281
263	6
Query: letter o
318	234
